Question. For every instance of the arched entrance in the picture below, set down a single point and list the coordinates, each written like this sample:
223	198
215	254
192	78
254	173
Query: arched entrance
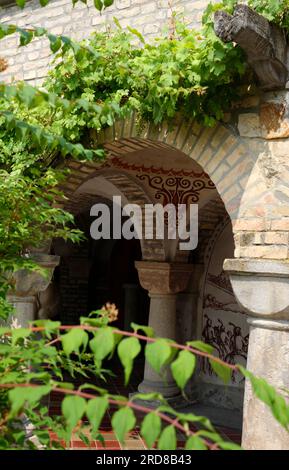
143	172
247	173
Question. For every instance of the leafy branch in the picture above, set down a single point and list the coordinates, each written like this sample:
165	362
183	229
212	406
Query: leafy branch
102	341
124	419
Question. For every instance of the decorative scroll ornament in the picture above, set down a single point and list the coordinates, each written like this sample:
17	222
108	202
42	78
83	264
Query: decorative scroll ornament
177	190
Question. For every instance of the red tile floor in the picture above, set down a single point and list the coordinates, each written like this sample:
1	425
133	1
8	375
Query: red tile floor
134	440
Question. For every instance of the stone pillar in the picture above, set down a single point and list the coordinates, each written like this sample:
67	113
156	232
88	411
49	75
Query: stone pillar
262	288
27	284
163	281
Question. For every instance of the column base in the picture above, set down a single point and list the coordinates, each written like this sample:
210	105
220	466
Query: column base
25	310
168	390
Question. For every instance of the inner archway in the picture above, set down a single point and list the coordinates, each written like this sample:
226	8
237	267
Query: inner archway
146	172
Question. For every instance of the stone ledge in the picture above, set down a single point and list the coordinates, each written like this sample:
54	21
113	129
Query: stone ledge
261	286
257	266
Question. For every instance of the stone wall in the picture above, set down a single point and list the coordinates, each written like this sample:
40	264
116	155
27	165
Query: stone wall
59	17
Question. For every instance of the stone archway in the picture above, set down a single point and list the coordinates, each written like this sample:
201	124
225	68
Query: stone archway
247	167
134	175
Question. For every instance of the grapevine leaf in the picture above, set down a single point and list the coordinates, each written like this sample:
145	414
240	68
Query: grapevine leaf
183	368
151	428
73	408
168	439
122	422
128	349
223	372
158	353
95	411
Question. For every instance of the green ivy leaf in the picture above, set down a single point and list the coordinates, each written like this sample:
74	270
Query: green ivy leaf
102	344
49	326
25	37
64	385
73	408
55	43
108	3
95	411
137	34
128	349
192	418
148	397
148	330
223	372
98	4
195	443
122	422
21	395
183	368
168	439
151	428
21	3
19	333
268	395
201	346
229	446
73	340
158	353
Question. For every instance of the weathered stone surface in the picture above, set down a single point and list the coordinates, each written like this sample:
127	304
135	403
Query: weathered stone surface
249	125
163	278
272	121
274	115
29	283
261	286
268	357
264	44
163	281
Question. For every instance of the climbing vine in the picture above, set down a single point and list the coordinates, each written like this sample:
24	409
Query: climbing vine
116	72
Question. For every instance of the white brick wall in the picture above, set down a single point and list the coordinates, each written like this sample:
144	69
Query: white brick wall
31	62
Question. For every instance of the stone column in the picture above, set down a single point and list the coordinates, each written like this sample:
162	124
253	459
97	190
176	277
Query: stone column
27	284
163	281
262	288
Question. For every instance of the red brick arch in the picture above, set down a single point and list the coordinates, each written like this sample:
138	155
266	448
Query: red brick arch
224	156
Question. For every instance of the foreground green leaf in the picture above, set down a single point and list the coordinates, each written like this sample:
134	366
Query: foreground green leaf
95	412
122	422
158	353
73	409
183	368
151	428
128	349
223	372
168	439
74	340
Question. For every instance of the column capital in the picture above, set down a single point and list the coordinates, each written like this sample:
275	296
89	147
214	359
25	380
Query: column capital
163	278
261	286
29	283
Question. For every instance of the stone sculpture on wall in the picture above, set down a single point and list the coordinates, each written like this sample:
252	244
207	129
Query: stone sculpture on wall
264	43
